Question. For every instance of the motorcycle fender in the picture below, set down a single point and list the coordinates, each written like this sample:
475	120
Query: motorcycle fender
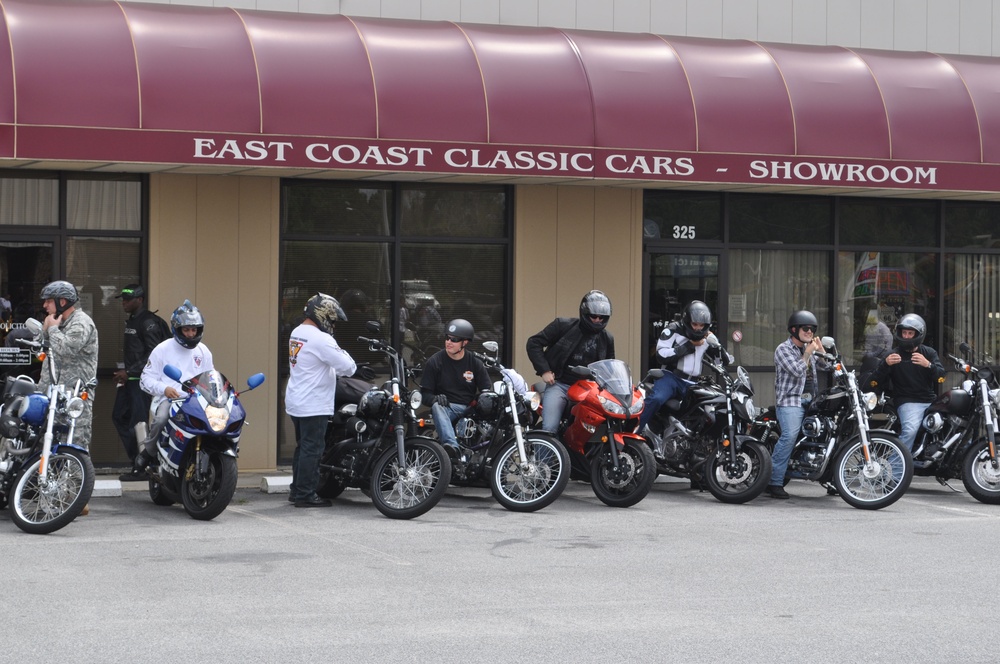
741	439
56	446
221	446
621	438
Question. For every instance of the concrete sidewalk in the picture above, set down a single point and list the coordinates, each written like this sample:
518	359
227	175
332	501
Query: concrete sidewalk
108	485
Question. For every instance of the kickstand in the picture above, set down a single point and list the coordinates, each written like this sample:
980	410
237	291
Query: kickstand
942	481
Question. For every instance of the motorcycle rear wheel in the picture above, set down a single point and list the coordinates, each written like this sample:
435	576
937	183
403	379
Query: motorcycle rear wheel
750	477
206	499
881	486
980	478
408	492
532	486
635	476
39	510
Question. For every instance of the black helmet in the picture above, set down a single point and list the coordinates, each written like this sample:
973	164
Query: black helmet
460	328
595	303
800	318
325	311
60	290
187	315
696	312
910	322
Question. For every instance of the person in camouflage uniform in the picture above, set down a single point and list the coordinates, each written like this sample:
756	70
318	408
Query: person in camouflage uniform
72	340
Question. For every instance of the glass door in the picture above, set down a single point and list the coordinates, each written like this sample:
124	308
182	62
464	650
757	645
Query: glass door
674	279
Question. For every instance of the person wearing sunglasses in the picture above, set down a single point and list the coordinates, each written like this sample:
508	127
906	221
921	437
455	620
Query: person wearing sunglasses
794	387
567	342
451	380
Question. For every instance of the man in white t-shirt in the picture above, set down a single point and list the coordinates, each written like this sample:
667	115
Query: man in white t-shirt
184	351
314	362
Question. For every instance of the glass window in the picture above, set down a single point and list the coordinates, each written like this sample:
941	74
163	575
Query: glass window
875	290
431	211
765	287
29	202
972	225
682	216
780	219
336	209
972	304
889	223
106	205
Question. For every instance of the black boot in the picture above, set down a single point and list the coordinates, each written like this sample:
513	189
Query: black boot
142	461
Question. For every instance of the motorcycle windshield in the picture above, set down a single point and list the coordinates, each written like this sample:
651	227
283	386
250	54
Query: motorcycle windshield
615	377
213	386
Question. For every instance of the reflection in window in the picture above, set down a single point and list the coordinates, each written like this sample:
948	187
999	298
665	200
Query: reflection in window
972	303
331	209
683	215
972	225
896	223
436	210
765	287
780	219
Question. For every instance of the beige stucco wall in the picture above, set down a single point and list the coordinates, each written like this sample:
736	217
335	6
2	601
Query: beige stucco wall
214	240
567	241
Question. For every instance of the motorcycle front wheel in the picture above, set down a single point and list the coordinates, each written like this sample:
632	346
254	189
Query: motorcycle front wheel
408	489
878	484
742	481
530	486
39	509
206	498
980	477
633	479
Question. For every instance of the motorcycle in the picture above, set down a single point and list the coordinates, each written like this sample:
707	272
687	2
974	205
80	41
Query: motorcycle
869	468
704	437
404	474
526	470
196	452
45	477
957	437
600	434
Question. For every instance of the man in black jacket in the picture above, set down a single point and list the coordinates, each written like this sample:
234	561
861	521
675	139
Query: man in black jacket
567	342
143	331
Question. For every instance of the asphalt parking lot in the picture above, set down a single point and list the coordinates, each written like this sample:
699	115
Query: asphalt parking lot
679	577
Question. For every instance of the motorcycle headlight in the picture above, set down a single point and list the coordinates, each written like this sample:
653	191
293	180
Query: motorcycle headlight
869	400
751	408
611	406
534	400
217	417
995	397
416	399
636	407
74	408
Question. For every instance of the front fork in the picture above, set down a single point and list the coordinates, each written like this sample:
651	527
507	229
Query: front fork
990	420
398	425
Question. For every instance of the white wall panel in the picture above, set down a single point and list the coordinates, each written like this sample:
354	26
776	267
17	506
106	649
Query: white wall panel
481	11
441	10
361	7
705	18
320	6
557	13
407	9
996	28
876	23
774	21
809	21
519	12
631	16
668	17
910	25
943	26
739	19
975	27
595	15
843	23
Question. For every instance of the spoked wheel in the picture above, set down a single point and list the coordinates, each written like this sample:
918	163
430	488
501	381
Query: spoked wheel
633	478
206	498
407	490
872	486
979	474
530	486
44	507
740	481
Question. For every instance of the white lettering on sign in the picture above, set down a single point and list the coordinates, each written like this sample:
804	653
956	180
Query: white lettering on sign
828	172
208	148
648	165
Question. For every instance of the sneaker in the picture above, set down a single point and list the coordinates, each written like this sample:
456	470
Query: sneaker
132	476
776	491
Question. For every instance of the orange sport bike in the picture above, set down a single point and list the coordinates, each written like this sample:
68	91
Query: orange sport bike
599	434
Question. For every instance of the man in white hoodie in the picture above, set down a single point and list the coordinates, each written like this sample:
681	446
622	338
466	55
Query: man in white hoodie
184	351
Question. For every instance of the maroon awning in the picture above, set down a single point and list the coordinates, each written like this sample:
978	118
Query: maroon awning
94	82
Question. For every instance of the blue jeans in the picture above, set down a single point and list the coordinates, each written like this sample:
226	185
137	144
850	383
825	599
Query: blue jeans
554	401
666	387
310	439
910	416
444	421
790	420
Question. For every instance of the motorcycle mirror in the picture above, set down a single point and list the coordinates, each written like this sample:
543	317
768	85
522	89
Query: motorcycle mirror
964	347
373	327
172	372
254	380
33	326
830	344
491	346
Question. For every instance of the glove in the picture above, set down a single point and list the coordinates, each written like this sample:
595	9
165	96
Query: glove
441	400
